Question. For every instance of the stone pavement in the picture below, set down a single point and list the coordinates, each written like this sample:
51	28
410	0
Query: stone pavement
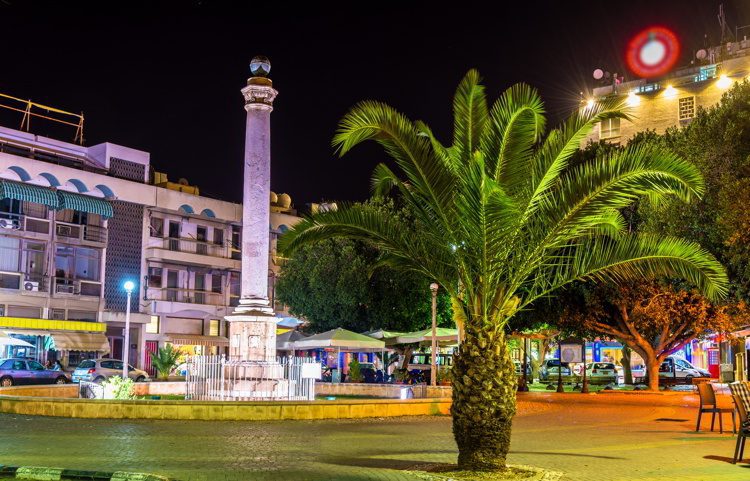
613	437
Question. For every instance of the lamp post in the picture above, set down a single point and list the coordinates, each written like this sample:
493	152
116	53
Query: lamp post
433	369
129	286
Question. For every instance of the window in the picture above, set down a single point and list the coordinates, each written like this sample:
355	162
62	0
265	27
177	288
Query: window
57	314
216	283
705	73
77	217
234	288
153	326
89	316
9	254
10	206
213	327
686	108
154	277
218	236
35	366
609	128
33	260
108	364
22	311
236	242
157	227
77	263
32	209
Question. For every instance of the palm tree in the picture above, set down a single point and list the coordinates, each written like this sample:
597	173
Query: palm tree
500	218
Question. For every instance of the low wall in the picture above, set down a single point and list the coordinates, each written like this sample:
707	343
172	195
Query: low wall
391	391
62	401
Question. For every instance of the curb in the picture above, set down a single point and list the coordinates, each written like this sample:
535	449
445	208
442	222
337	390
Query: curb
39	473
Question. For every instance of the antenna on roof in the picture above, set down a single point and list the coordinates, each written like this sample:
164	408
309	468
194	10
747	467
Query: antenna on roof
726	33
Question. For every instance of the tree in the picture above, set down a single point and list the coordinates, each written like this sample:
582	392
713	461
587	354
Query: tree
501	219
653	318
164	360
337	283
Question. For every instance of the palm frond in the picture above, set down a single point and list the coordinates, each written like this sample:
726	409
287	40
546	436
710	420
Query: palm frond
469	114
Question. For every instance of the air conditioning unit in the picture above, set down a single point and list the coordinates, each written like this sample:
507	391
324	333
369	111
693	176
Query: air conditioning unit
9	224
66	289
64	230
31	286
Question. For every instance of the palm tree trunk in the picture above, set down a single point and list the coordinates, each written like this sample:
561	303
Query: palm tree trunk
484	400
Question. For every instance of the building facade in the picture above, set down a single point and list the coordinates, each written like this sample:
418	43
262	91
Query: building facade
673	100
77	222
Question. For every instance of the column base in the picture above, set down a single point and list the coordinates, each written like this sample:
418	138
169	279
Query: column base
252	331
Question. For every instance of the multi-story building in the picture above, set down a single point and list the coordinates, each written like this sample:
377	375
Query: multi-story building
77	222
673	100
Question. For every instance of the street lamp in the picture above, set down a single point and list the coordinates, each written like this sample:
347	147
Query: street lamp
129	286
433	370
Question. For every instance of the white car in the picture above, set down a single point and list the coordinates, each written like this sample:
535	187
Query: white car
682	369
601	373
99	370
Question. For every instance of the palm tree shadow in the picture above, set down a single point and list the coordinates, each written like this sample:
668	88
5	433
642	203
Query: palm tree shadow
552	453
383	463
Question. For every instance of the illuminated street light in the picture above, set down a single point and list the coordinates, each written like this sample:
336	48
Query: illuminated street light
633	99
724	82
128	286
670	91
433	368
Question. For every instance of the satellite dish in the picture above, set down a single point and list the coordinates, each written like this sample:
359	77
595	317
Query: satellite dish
598	74
607	75
701	54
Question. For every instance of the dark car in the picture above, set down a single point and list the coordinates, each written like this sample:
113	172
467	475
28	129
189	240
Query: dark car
22	371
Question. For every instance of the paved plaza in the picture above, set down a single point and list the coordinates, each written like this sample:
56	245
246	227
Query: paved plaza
595	437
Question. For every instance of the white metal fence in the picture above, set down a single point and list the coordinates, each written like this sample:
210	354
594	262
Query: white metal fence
218	378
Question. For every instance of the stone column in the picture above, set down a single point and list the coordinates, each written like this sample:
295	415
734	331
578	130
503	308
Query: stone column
252	328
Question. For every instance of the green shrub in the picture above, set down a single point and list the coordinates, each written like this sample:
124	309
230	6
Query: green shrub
355	371
118	388
164	360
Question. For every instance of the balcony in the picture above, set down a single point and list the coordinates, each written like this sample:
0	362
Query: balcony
63	286
191	251
188	296
82	233
31	284
10	222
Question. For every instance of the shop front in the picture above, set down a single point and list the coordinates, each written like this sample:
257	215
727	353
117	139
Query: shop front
45	340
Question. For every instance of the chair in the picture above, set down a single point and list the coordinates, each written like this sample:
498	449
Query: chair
708	405
741	397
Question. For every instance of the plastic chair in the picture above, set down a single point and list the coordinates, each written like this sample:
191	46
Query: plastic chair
708	405
738	397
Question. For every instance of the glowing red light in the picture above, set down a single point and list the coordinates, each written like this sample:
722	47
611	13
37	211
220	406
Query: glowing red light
653	52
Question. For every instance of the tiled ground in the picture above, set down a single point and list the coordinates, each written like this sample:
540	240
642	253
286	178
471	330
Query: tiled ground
595	437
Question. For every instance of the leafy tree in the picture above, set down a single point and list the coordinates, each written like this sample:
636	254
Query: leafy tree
337	283
653	318
164	360
717	141
355	371
499	220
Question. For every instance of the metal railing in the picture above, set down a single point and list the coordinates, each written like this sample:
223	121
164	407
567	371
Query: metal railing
63	285
217	378
188	296
90	233
193	246
10	221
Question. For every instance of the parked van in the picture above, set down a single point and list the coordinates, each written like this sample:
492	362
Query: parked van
681	368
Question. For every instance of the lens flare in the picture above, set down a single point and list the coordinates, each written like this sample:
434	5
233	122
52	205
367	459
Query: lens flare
653	52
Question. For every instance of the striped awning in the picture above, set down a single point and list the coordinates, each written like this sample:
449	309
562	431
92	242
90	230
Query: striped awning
28	193
197	340
84	203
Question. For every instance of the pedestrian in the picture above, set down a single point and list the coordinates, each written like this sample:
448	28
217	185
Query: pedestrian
47	364
58	366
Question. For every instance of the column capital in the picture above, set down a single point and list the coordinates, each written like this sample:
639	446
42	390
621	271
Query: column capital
259	94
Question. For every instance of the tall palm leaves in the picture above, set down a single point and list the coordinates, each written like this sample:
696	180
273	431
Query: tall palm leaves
500	218
500	214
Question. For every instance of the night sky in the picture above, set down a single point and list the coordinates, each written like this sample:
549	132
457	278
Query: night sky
165	77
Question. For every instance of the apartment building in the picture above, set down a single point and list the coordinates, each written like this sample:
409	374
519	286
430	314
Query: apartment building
77	222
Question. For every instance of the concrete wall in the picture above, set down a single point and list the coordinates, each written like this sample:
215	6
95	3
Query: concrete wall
21	400
391	391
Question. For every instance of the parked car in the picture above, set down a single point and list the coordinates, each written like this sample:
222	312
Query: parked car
551	368
99	370
22	371
601	373
519	368
682	369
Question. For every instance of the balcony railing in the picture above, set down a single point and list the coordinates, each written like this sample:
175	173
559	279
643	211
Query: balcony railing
10	222
194	246
63	285
189	296
24	282
90	233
